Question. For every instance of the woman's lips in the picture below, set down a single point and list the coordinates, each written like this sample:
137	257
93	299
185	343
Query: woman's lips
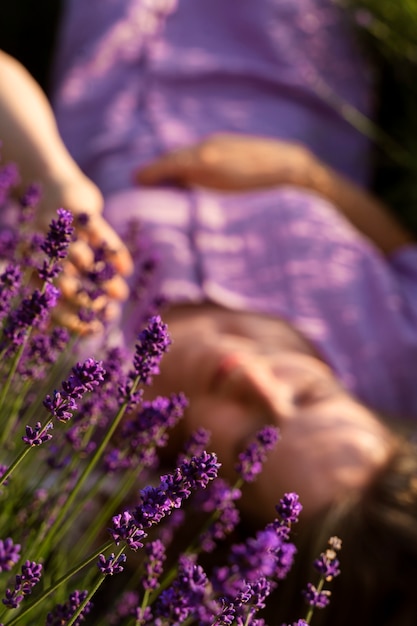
227	364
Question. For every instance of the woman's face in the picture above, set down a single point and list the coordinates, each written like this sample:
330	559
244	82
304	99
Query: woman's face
330	444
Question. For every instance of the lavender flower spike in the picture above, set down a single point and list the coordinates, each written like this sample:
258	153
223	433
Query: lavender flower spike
62	613
30	576
59	236
289	508
251	460
38	435
152	342
9	554
111	565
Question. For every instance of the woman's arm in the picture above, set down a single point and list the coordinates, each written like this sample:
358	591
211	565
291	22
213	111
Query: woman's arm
237	163
29	137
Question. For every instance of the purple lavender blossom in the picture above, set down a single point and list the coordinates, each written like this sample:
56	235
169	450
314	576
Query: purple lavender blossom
145	431
196	444
85	377
38	435
62	613
152	343
112	564
316	598
327	565
200	470
31	196
284	559
59	236
251	460
43	350
256	556
124	528
9	554
30	313
9	241
158	502
10	281
125	607
184	597
155	551
9	176
24	583
289	508
60	405
3	469
219	498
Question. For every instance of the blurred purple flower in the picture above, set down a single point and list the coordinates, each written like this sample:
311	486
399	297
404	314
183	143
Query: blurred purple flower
62	613
151	344
9	554
289	508
59	236
316	598
155	551
251	460
24	583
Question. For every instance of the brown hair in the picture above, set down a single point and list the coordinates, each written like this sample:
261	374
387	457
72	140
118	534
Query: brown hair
378	528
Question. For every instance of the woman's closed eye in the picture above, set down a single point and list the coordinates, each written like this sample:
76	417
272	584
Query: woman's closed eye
315	391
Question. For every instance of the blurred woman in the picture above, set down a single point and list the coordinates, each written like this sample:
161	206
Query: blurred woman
292	292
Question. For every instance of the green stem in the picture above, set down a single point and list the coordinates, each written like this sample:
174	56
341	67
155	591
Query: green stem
92	592
61	581
15	463
311	608
6	387
86	472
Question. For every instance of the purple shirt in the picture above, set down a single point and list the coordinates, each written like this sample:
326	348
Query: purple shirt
134	81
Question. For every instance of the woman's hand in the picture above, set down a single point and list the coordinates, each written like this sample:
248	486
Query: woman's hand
240	163
82	198
231	162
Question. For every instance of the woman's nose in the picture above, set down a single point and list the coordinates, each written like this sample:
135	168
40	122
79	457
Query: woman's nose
251	380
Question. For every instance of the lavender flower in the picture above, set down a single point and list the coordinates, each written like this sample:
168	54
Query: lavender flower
284	559
9	176
62	613
30	313
219	498
85	377
145	431
289	508
195	445
112	564
59	236
10	281
125	529
9	554
183	598
316	598
327	565
257	556
24	583
31	196
152	343
38	435
60	405
155	551
251	460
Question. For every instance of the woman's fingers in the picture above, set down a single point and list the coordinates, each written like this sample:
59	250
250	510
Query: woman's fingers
97	232
177	167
